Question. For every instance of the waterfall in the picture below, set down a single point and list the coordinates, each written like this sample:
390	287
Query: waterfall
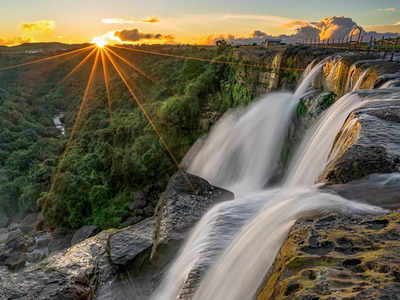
331	78
360	80
240	271
312	156
390	84
226	160
235	243
243	149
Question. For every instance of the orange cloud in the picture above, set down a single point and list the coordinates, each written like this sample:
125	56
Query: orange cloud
390	9
151	20
130	21
14	41
385	28
134	35
297	23
39	26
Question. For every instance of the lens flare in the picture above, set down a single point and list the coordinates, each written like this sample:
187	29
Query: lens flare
99	42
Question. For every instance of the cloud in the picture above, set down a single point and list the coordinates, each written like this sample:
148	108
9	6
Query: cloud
14	41
130	21
134	35
39	26
390	9
386	30
333	28
297	23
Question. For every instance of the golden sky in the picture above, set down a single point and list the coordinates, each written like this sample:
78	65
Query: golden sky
181	21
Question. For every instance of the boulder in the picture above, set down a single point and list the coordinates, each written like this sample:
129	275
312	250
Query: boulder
182	205
75	274
84	233
125	245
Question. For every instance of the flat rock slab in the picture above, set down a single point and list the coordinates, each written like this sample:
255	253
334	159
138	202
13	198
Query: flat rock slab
338	257
125	245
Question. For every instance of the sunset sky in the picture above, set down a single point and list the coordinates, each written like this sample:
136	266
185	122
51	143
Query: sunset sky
178	20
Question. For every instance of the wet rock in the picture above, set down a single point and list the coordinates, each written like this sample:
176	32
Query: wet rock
43	240
125	245
183	204
84	233
37	255
368	273
368	144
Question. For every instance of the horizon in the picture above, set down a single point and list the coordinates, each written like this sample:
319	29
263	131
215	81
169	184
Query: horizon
176	22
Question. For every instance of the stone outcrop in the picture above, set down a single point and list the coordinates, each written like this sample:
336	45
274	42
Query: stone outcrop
368	143
338	257
182	205
84	233
114	264
125	245
73	274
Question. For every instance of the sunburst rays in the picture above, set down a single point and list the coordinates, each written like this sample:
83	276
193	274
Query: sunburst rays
147	116
45	59
105	55
73	132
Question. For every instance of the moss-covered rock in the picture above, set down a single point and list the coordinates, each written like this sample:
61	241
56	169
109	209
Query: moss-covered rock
338	257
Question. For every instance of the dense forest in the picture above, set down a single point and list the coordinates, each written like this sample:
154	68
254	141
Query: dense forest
107	162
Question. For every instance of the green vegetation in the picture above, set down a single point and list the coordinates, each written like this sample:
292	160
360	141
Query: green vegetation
327	101
107	162
302	109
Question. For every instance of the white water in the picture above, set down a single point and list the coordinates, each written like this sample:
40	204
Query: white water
390	84
57	122
243	149
241	154
360	80
240	271
226	160
312	156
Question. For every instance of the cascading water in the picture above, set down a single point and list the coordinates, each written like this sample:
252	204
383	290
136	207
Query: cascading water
241	154
242	151
360	80
226	161
240	270
313	153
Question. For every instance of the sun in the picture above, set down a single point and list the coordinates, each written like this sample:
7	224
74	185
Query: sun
99	42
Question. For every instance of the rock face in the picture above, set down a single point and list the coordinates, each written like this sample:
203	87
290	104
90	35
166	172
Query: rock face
180	207
124	246
338	257
368	143
74	274
114	264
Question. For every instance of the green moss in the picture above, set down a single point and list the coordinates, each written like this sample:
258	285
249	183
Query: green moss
327	101
302	109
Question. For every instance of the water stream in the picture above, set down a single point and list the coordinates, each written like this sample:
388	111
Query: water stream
235	243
